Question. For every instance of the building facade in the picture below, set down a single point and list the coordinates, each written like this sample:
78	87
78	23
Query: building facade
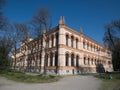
63	51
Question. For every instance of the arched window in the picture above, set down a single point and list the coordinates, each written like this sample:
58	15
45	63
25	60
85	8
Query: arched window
84	60
67	40
57	39
36	59
91	47
46	60
76	43
84	45
72	60
56	58
92	61
72	39
77	61
40	58
51	59
52	40
88	61
67	58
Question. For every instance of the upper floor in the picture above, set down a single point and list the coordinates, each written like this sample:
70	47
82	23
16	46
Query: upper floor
63	35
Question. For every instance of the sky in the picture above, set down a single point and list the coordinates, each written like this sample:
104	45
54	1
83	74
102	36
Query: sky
90	15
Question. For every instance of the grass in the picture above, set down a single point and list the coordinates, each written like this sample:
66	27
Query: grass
22	77
110	84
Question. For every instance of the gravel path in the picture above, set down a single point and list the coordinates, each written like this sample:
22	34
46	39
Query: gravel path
67	83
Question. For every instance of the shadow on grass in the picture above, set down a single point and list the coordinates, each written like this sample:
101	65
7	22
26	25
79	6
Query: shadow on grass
22	77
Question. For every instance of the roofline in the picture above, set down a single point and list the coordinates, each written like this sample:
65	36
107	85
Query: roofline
86	36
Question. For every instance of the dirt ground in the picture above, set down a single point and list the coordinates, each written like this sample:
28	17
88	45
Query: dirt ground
66	83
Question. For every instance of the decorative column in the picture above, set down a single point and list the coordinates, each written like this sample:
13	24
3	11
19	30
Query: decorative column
93	61
79	44
69	41
74	43
53	64
43	58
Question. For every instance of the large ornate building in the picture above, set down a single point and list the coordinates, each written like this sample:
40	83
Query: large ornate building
63	51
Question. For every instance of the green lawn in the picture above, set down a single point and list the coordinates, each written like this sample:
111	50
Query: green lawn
22	77
110	84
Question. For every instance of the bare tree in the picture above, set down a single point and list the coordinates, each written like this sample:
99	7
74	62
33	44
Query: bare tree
41	19
5	41
29	51
112	41
41	23
5	49
16	32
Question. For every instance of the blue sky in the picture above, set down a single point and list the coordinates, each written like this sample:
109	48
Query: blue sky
91	15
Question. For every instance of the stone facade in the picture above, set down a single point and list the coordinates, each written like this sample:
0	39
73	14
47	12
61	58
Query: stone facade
63	51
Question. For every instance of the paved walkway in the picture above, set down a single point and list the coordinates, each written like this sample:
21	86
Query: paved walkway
67	83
